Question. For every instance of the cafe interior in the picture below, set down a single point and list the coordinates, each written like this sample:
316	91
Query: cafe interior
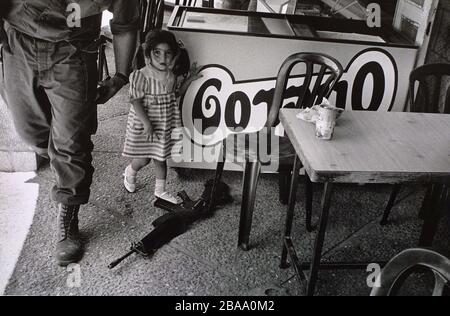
315	41
320	130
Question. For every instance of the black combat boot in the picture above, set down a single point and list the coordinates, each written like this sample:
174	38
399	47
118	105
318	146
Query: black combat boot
69	248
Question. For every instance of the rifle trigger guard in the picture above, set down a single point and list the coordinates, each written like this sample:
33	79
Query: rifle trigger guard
138	247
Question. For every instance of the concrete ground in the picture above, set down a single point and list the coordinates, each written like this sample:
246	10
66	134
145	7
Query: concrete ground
205	260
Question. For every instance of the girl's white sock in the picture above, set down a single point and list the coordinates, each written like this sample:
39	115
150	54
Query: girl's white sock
130	171
160	186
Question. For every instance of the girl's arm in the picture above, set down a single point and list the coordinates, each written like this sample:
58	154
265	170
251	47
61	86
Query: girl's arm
140	113
139	110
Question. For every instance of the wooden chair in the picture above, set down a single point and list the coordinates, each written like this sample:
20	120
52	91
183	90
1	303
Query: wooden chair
185	2
189	3
398	269
152	15
328	71
426	100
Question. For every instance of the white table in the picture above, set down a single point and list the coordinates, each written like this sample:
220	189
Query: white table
368	147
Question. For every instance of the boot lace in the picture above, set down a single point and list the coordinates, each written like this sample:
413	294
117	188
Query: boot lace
68	222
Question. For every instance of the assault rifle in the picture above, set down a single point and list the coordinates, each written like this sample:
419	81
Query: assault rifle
179	219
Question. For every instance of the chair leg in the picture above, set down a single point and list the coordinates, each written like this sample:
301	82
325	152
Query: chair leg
438	198
251	175
218	176
290	212
308	204
446	291
447	198
284	180
390	204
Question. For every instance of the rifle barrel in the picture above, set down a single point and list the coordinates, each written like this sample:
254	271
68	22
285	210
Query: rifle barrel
113	264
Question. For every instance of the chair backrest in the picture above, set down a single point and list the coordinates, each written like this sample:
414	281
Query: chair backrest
430	78
190	3
187	3
399	268
152	15
328	74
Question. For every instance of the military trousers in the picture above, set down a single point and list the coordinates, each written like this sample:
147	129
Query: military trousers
50	90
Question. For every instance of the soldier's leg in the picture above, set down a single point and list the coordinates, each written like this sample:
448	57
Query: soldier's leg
26	101
71	89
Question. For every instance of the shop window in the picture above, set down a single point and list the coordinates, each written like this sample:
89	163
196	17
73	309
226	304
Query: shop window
419	3
409	28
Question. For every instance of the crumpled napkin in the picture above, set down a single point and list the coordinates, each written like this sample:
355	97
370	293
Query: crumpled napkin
309	115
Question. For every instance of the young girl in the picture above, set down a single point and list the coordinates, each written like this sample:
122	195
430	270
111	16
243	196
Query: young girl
155	113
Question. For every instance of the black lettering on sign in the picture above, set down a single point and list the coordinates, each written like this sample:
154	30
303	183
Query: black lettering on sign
230	111
264	96
341	89
211	123
379	82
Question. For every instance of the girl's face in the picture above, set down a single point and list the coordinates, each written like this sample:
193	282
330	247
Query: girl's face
162	57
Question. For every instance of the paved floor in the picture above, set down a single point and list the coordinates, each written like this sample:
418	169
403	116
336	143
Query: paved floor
17	208
205	260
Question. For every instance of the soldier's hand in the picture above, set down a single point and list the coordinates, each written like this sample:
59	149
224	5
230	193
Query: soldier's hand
109	88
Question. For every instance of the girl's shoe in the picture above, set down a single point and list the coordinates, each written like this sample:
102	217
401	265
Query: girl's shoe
129	179
168	197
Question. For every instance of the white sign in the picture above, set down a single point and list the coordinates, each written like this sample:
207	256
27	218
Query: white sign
224	104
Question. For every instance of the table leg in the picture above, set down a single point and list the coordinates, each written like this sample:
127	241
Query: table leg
326	199
290	210
308	204
387	211
431	221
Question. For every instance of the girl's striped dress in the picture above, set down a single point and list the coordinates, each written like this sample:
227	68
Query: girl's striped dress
156	90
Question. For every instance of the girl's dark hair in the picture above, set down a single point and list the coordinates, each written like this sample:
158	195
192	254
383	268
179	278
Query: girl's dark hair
183	63
156	37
